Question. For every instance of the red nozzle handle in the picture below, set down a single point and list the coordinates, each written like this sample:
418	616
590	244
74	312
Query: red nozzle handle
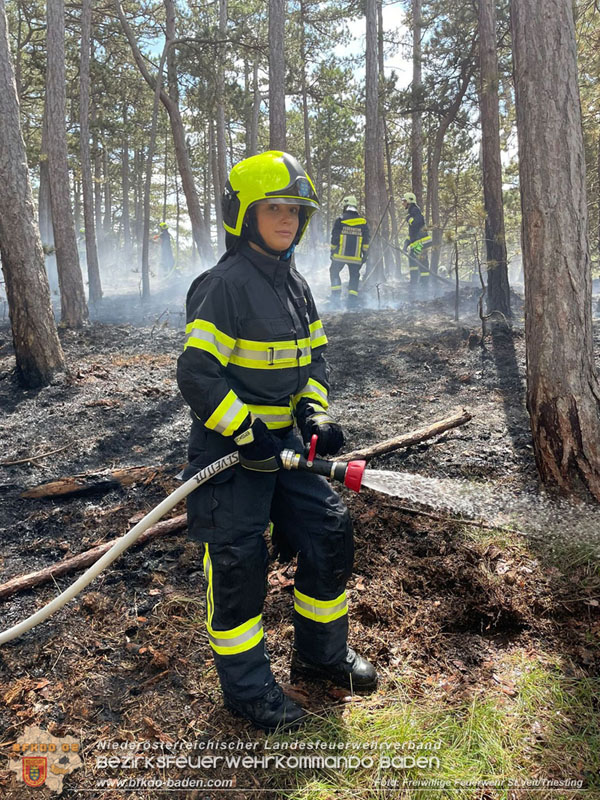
312	449
354	475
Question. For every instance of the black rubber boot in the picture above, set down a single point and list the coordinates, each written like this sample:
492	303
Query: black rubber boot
354	672
271	712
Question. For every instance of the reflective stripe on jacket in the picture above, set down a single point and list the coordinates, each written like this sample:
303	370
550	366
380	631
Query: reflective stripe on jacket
254	343
350	238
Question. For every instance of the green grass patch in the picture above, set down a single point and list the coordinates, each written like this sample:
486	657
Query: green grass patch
549	731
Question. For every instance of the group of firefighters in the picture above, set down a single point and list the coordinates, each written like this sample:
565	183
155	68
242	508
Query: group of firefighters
255	377
350	239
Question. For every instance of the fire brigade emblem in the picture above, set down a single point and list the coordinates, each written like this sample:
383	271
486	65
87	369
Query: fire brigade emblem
303	187
35	770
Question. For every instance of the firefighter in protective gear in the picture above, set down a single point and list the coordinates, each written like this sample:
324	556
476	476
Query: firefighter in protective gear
349	246
163	238
253	366
416	245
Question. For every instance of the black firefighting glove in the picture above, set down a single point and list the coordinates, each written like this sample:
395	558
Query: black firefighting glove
312	418
259	449
406	246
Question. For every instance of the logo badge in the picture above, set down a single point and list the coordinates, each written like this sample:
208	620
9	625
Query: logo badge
303	187
35	770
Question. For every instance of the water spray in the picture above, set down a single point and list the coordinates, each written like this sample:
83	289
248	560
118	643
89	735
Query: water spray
350	474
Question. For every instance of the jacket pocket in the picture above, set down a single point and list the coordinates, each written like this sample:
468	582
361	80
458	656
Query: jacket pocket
210	505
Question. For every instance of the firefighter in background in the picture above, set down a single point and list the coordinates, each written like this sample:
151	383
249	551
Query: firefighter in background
416	246
252	366
166	249
349	245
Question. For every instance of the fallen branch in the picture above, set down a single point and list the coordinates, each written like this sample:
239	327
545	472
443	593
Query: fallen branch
408	439
34	457
92	482
82	560
477	523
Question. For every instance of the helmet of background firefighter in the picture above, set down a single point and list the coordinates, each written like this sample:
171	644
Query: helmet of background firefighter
350	201
409	197
273	175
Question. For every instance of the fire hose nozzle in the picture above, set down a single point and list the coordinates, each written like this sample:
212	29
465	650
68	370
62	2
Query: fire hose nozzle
349	473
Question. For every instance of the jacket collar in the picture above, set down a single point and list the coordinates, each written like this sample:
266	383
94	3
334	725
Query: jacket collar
274	270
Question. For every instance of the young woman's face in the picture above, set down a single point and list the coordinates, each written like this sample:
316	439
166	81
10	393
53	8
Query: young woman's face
277	223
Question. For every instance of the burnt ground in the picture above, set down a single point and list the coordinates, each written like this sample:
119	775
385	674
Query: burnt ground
439	607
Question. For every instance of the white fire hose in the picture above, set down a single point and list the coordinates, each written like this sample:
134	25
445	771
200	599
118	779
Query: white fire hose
348	473
118	547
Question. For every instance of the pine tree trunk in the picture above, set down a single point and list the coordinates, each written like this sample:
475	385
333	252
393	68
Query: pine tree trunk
498	290
416	132
95	285
277	128
372	129
73	306
433	188
37	348
563	396
221	139
181	152
127	246
255	110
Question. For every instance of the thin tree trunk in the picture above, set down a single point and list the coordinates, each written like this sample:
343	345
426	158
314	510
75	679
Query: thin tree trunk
73	306
221	140
416	132
181	151
384	230
148	186
95	285
498	290
433	188
277	122
214	171
127	248
255	110
563	396
107	222
304	88
37	348
372	198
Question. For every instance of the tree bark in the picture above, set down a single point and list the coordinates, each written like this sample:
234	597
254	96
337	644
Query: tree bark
148	184
563	396
221	139
95	285
433	189
277	127
73	306
126	220
181	152
255	110
416	131
498	290
372	197
304	90
37	348
44	209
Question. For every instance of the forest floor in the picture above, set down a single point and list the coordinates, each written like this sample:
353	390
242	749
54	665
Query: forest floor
487	640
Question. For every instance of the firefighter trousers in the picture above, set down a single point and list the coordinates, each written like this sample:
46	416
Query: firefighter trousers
316	525
335	279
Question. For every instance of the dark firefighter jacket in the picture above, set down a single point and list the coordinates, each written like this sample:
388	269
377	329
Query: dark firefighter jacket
416	225
254	343
350	238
